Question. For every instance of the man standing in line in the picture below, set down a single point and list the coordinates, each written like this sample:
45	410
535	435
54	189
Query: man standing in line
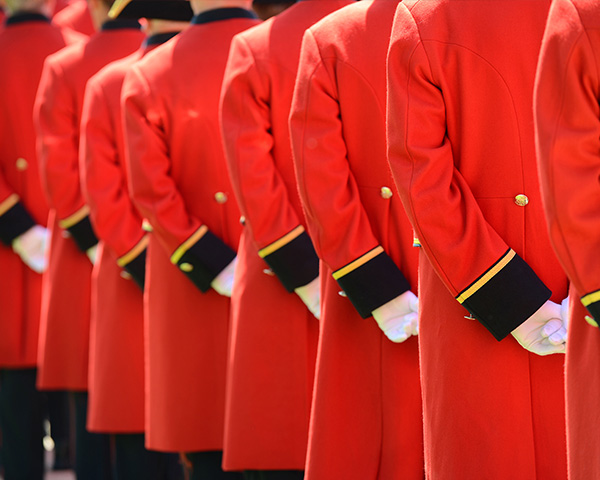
25	41
116	377
179	183
461	150
274	334
366	418
64	326
567	118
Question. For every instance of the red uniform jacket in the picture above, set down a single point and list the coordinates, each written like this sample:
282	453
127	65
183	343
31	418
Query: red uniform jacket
64	328
567	113
461	149
179	182
76	16
274	336
25	41
116	372
366	420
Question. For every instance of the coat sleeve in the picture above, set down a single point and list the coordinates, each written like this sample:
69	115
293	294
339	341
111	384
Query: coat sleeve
336	217
14	217
57	122
567	116
114	218
198	253
261	193
484	274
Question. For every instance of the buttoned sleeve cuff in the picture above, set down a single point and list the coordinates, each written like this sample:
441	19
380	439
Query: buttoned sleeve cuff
80	228
202	257
134	261
293	259
505	296
14	219
371	280
591	301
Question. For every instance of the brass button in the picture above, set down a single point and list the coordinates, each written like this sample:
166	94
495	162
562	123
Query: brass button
521	200
186	267
125	275
21	164
386	192
341	293
243	220
221	197
268	271
591	321
65	234
146	227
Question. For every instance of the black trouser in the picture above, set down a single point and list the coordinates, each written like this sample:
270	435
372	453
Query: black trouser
273	475
21	422
133	461
207	466
92	450
60	414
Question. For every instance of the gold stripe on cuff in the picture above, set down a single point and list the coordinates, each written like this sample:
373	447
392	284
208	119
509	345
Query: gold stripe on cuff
134	252
185	246
359	262
487	276
117	7
10	202
74	219
283	241
590	298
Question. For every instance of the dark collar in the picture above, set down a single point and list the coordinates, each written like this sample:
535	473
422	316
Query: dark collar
158	39
119	24
222	14
21	17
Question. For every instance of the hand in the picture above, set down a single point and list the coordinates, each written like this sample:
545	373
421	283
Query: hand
545	332
310	294
399	318
92	253
223	282
32	247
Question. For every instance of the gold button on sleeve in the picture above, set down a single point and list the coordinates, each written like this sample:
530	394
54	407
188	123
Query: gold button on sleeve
591	321
186	267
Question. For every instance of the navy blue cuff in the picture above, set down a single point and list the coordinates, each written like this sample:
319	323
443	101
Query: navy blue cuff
137	269
508	298
205	260
296	263
83	234
15	222
373	284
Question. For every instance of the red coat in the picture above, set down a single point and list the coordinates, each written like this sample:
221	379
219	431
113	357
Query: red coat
64	329
76	16
567	115
272	358
366	419
179	182
461	149
116	370
22	202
